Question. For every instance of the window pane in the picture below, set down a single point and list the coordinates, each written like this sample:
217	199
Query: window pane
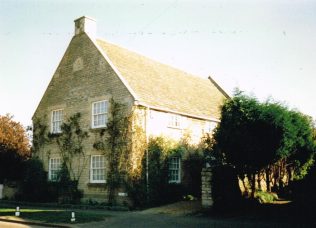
175	120
174	170
99	114
98	168
54	168
57	117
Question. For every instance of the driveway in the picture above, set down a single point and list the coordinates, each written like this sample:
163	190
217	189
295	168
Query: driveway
181	214
141	220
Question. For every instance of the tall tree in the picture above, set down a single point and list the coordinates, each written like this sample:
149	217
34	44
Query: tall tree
14	148
253	135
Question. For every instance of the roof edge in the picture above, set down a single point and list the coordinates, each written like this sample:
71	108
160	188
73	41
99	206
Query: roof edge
52	77
118	73
175	112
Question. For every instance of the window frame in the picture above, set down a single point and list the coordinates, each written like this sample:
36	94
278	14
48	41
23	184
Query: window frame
50	170
93	168
58	131
173	119
93	114
178	170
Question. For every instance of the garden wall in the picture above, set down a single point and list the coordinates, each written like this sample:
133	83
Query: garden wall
207	200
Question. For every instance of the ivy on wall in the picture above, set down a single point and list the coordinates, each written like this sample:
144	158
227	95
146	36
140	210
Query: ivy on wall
71	146
113	142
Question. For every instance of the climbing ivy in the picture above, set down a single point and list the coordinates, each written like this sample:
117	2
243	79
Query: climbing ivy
71	146
40	137
72	151
113	142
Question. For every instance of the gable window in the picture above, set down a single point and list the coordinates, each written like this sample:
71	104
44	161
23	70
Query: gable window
174	170
97	169
57	119
54	168
99	114
174	121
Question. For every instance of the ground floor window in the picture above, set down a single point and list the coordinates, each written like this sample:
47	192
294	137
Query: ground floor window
54	168
97	169
174	170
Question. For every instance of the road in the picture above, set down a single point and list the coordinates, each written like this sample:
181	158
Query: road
16	225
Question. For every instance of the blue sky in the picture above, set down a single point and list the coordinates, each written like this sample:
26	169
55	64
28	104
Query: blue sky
266	48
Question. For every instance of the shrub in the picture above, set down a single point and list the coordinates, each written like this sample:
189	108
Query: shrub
136	188
192	166
266	197
225	190
303	191
160	191
34	186
68	191
158	150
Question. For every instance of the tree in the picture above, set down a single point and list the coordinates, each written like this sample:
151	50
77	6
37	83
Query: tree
254	136
14	148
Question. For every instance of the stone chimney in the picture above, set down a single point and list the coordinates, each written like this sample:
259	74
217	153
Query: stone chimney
86	25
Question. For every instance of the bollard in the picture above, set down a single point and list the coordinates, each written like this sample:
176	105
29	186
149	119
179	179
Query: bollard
73	218
17	211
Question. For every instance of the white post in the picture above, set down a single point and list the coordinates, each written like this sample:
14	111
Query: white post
17	211
1	191
73	219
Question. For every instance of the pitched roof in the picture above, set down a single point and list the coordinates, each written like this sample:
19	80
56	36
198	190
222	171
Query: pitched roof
161	86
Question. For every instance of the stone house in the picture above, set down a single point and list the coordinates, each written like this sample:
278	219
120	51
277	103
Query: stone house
93	71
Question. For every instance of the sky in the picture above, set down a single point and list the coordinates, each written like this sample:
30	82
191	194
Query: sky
265	48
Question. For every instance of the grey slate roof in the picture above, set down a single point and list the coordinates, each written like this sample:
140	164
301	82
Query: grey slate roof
159	85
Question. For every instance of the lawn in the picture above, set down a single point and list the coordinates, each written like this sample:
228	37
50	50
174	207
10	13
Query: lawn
54	216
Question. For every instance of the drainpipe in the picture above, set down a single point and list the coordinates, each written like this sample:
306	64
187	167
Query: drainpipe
137	103
147	157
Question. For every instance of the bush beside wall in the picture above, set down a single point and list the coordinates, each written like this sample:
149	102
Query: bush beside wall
225	189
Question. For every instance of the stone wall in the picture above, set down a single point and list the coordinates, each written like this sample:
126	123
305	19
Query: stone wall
82	77
206	176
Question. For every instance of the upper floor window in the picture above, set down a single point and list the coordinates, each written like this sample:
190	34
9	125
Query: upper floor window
174	170
99	114
174	121
97	169
57	120
54	168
